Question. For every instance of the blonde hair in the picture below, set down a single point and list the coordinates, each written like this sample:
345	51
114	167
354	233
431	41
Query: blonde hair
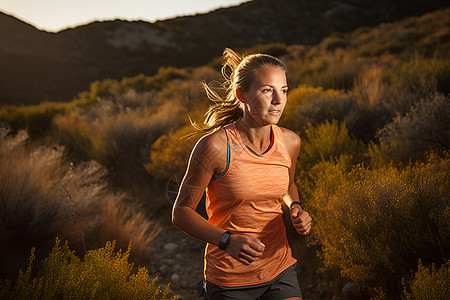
238	73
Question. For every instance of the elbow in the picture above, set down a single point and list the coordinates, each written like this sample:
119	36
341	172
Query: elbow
176	216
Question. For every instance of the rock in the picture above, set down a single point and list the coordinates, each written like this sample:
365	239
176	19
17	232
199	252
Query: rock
175	277
170	247
177	268
163	268
184	284
168	261
352	290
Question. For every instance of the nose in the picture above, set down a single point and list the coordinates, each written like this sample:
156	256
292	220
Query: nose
277	97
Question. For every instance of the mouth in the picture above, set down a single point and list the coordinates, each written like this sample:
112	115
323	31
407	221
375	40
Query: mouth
274	111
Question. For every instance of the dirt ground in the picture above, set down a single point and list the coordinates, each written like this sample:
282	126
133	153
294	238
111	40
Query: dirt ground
177	258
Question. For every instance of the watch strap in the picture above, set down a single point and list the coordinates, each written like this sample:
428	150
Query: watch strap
299	203
224	240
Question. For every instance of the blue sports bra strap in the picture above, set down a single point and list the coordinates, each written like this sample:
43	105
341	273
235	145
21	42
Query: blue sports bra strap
217	176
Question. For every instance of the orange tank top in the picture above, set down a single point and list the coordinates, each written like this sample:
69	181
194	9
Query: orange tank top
247	199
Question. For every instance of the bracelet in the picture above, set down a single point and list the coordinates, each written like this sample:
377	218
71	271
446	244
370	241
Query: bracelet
224	240
299	203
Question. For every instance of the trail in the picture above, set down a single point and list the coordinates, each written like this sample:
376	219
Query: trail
178	259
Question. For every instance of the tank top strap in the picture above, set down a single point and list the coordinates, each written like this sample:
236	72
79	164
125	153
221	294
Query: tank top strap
233	135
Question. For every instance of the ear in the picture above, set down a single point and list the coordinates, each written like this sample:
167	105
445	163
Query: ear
240	96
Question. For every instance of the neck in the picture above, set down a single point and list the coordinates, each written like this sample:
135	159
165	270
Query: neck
257	139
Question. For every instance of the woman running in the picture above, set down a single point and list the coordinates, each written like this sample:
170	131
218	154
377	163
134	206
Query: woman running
246	165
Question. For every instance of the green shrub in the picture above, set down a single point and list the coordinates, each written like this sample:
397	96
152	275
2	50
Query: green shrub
428	283
102	274
375	224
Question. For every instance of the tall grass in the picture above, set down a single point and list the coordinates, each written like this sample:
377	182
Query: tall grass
42	195
118	132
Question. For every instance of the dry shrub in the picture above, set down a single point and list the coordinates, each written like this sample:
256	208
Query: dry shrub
334	41
421	76
274	49
156	82
315	105
307	104
37	119
425	127
170	154
375	224
42	196
125	224
335	70
370	88
428	283
118	132
326	142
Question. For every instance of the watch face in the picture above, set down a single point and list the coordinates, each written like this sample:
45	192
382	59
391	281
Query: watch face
224	239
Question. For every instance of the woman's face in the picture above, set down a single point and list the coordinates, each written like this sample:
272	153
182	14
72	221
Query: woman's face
266	97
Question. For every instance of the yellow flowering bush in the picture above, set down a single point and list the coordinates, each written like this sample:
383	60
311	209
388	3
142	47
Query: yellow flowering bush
103	274
374	224
428	283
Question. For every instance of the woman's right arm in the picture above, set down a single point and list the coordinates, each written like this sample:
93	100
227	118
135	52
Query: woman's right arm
207	157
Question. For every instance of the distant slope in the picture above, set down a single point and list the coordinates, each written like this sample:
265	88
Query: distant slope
38	66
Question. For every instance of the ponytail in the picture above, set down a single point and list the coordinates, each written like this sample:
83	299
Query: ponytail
238	73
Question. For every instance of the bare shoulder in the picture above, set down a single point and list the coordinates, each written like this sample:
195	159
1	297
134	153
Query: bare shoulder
293	141
210	150
212	141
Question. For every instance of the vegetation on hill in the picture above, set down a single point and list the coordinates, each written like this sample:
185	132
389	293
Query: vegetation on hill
59	65
372	107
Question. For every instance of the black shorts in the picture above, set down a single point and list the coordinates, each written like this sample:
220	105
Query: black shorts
285	285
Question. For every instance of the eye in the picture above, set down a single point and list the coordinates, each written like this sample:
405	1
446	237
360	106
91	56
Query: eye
284	91
267	90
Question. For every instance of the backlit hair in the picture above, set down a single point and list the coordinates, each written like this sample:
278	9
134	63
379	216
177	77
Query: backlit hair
238	73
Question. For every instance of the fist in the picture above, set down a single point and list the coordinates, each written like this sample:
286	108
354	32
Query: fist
300	219
245	248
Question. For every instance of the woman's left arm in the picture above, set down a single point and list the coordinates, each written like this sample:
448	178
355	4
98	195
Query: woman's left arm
300	217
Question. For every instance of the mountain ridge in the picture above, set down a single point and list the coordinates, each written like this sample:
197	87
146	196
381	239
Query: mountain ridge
41	66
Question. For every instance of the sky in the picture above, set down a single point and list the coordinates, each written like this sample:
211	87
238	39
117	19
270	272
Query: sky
56	15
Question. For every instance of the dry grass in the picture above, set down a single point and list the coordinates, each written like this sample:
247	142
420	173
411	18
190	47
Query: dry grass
43	196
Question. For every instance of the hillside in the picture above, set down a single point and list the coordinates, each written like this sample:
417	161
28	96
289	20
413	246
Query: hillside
371	107
40	66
